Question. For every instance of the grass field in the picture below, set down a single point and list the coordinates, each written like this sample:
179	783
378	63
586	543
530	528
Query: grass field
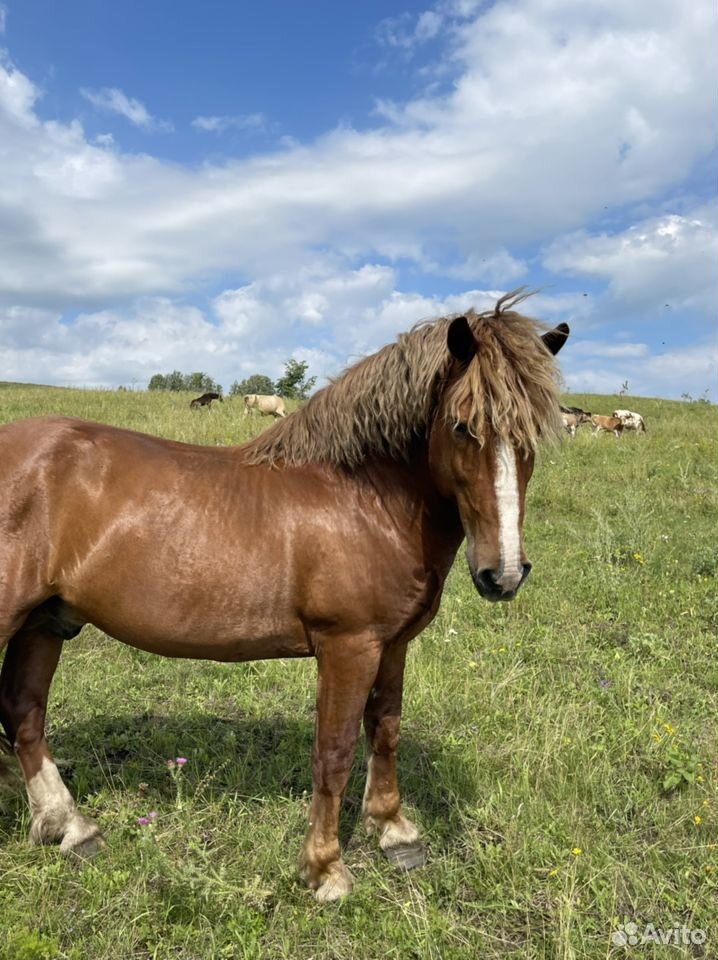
560	752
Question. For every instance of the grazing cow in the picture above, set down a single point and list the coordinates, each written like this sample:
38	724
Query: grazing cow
631	420
265	403
608	424
204	401
572	421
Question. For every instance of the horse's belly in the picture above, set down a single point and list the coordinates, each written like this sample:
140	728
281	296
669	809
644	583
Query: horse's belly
230	650
209	622
218	643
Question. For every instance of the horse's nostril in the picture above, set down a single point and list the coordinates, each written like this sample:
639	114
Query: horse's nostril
527	570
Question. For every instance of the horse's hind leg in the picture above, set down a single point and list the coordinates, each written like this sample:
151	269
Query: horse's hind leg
398	837
30	663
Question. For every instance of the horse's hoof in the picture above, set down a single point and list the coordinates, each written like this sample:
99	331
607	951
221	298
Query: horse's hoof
406	856
85	849
338	884
82	839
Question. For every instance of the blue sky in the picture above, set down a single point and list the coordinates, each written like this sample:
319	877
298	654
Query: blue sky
222	186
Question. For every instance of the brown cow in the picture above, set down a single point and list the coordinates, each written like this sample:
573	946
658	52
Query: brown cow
608	425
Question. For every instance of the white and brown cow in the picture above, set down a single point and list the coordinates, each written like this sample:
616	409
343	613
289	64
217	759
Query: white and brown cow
631	420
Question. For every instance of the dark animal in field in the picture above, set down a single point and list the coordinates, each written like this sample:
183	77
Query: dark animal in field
345	519
607	425
577	411
205	400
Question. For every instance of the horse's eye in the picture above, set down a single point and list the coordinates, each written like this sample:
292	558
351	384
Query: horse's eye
461	429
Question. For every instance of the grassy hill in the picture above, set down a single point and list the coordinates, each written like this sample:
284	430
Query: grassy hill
560	752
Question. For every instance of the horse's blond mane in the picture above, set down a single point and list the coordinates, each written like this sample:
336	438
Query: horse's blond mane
381	403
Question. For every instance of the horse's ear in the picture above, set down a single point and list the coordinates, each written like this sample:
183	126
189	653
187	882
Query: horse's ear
555	339
460	340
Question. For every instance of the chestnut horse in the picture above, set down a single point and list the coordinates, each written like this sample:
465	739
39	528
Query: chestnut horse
347	517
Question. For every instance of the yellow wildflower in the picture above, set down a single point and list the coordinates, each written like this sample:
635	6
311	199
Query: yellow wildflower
577	851
696	819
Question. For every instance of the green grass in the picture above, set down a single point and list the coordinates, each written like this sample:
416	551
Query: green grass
582	716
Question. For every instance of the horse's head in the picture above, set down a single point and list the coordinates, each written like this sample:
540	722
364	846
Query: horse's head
473	454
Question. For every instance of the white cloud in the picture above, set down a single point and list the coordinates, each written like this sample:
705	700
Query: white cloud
248	121
406	32
526	145
17	95
691	370
597	348
499	268
663	260
325	313
115	101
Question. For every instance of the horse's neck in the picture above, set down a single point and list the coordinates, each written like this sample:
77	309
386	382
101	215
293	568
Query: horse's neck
413	504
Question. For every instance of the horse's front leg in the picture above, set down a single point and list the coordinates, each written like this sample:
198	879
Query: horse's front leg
347	668
398	837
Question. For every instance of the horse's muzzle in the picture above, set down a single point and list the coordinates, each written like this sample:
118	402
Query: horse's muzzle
487	583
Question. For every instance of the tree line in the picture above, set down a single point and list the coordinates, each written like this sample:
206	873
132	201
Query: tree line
294	384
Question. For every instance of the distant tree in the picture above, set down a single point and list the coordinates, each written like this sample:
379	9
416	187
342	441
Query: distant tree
295	385
158	382
257	383
196	382
201	383
175	381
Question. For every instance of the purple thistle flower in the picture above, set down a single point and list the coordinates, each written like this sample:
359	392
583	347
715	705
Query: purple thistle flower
142	821
181	761
152	814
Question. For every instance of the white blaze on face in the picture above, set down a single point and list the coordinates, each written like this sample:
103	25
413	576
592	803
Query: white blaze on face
508	507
